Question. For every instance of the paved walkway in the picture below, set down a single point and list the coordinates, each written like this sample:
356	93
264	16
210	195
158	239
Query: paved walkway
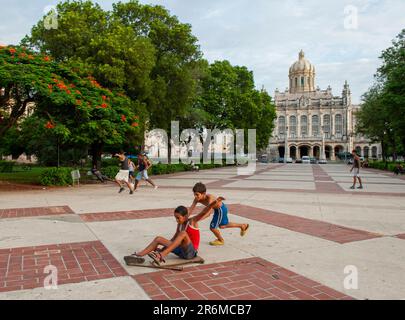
307	226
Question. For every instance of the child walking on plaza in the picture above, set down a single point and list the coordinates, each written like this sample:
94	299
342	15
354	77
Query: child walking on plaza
356	170
220	219
185	242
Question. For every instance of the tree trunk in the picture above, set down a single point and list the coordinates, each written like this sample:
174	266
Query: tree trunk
96	151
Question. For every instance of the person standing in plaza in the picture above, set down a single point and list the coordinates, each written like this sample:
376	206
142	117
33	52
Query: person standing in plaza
355	170
123	175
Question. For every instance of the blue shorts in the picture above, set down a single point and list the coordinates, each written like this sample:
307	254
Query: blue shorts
142	174
185	253
220	217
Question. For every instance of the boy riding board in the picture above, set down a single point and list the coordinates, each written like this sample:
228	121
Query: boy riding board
220	219
185	242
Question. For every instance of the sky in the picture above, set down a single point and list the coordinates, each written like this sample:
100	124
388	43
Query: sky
342	38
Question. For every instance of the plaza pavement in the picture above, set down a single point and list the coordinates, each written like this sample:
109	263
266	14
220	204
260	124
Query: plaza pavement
306	227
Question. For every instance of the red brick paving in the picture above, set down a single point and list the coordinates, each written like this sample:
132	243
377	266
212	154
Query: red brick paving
127	215
34	212
23	268
324	183
311	227
247	279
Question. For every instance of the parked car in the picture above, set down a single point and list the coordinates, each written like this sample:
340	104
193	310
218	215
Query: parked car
313	160
280	160
322	161
298	161
289	160
306	160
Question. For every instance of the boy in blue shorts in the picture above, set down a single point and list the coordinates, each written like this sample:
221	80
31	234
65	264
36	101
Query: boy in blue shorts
220	219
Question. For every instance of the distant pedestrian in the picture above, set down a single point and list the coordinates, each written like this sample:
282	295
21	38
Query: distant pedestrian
355	170
143	165
123	175
132	168
99	175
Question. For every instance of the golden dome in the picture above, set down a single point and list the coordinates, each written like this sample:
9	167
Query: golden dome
302	65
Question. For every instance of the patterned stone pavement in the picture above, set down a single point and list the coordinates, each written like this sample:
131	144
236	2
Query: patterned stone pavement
306	227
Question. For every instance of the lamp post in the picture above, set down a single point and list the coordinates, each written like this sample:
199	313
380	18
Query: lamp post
323	153
286	154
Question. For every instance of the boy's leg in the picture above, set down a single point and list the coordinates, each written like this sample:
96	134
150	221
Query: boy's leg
354	182
241	226
182	240
145	175
154	245
361	184
217	220
217	233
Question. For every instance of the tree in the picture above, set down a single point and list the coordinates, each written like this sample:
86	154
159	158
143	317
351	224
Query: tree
229	100
382	117
77	109
178	59
140	49
392	74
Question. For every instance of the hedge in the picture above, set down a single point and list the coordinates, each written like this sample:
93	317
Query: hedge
6	166
381	165
56	177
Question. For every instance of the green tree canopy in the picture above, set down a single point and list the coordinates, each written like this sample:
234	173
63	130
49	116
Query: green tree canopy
141	49
76	108
229	100
382	117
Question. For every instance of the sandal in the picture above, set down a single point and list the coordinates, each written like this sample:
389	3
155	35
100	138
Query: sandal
157	257
134	259
243	232
217	243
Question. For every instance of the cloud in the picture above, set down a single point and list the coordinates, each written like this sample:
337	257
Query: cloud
266	35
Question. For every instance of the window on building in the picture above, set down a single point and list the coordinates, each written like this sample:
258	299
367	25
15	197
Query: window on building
296	82
293	126
338	125
281	125
304	126
374	152
326	125
302	81
315	126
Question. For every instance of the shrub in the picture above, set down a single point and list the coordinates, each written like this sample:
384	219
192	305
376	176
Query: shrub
56	177
6	166
110	171
109	162
381	165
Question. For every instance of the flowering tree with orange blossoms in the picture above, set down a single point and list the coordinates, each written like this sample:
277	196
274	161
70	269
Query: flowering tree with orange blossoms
77	108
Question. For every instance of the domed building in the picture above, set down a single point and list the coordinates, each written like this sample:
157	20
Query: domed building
314	122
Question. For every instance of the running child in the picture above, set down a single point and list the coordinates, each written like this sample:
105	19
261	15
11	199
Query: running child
220	219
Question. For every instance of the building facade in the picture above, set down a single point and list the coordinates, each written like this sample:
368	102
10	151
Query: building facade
313	122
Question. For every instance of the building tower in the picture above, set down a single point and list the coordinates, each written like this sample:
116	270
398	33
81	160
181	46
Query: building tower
302	75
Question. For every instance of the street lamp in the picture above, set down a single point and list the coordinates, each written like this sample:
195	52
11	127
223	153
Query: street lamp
286	144
323	155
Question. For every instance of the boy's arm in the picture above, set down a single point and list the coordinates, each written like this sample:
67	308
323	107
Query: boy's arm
192	208
177	232
207	210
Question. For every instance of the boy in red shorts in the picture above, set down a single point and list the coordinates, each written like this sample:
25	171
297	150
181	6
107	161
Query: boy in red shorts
185	242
